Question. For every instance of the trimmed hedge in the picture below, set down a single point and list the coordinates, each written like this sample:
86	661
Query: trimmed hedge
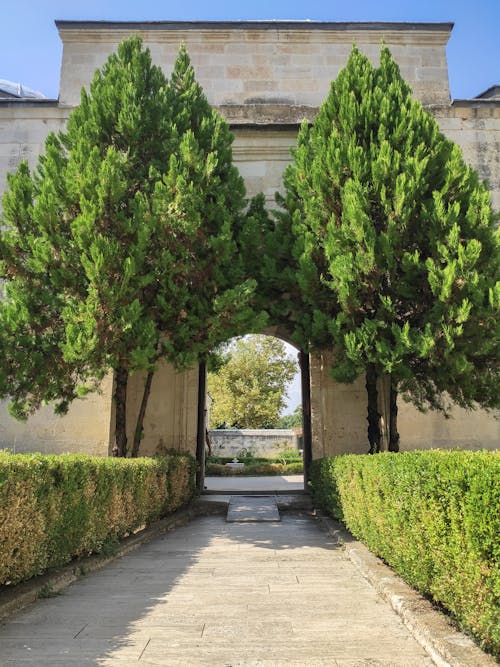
434	516
54	508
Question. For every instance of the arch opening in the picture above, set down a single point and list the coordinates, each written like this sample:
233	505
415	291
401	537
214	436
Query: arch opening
247	430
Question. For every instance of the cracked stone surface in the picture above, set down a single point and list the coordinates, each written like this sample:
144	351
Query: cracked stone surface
218	593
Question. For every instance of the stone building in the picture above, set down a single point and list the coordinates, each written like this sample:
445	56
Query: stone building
264	77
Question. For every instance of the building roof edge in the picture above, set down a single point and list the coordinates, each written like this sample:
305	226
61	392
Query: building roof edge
254	25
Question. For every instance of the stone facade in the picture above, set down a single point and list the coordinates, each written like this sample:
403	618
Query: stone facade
24	125
265	77
475	126
244	63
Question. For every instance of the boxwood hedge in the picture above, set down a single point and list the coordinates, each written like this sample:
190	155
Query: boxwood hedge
434	516
54	508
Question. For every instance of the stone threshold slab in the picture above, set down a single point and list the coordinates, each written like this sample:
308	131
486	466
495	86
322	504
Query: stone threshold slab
252	509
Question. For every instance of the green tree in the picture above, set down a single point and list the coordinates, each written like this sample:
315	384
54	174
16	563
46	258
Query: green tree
248	389
270	255
120	249
293	420
395	247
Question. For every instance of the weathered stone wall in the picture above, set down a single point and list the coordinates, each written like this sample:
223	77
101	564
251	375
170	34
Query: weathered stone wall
338	411
475	126
339	426
261	156
464	429
172	413
291	63
24	127
85	428
259	442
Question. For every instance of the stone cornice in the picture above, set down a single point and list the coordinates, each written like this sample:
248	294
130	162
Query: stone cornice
477	102
291	31
288	117
262	117
28	102
474	108
256	25
274	114
258	117
41	112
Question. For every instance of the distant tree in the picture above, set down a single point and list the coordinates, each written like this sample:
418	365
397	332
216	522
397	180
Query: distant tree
395	248
293	420
120	249
249	388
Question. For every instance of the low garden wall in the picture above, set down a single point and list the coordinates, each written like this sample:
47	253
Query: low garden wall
54	508
255	442
434	516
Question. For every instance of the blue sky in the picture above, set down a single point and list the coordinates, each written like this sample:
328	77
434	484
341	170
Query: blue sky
30	50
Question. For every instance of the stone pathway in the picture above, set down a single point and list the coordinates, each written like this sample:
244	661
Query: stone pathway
221	594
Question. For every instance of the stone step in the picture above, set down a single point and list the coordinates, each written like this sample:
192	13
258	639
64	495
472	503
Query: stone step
252	509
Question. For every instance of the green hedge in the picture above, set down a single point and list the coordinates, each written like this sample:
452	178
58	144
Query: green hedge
54	508
255	469
434	516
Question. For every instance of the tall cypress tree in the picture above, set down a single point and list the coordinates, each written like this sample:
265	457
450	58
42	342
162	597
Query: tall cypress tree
395	246
120	248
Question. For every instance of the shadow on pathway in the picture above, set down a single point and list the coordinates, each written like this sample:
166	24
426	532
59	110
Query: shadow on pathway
217	593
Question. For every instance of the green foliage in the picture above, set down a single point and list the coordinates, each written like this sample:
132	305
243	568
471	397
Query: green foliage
58	507
293	420
121	248
256	469
249	388
268	249
288	455
434	517
394	243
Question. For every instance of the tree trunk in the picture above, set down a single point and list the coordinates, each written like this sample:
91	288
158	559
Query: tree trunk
139	427
200	435
305	382
393	420
121	380
374	433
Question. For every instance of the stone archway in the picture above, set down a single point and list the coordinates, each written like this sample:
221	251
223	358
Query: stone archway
265	78
305	377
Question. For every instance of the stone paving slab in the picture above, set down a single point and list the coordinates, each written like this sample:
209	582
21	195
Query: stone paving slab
218	594
269	484
252	508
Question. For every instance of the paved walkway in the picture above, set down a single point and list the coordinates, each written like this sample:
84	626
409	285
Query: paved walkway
269	484
218	593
